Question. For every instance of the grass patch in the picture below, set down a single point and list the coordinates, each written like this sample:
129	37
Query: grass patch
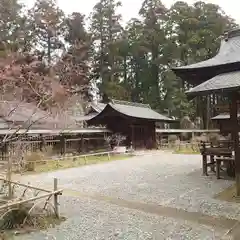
48	166
182	148
186	151
188	148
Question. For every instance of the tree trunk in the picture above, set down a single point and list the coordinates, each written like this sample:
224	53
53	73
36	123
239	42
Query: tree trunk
49	49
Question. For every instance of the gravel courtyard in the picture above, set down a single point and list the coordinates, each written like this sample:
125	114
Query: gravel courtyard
157	195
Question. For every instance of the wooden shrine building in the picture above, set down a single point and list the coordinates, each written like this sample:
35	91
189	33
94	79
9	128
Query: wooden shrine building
220	75
135	121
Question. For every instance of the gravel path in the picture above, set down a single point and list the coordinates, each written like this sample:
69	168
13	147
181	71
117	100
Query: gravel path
93	220
158	178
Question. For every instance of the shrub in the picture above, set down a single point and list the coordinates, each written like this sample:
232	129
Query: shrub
202	138
31	159
214	138
172	141
172	138
48	151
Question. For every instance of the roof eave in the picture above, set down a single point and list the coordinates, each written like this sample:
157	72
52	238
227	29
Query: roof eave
192	94
166	120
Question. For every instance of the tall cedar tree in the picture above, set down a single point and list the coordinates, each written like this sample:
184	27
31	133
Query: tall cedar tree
106	30
14	27
153	13
48	25
73	67
132	63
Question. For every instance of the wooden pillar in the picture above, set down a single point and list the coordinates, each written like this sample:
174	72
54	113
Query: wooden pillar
63	145
79	143
82	144
193	135
9	171
160	140
41	143
132	138
208	111
154	136
235	138
204	160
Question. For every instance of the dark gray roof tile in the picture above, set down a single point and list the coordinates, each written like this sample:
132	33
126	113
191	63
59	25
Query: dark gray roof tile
223	116
229	53
226	81
135	110
98	107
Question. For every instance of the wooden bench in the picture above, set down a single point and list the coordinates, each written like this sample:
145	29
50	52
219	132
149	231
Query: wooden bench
212	152
230	161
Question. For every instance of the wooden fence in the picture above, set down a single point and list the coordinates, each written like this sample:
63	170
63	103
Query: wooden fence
180	146
21	194
53	146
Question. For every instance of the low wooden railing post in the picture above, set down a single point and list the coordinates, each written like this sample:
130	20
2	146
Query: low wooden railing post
56	204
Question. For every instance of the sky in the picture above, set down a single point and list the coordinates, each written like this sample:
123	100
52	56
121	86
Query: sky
130	8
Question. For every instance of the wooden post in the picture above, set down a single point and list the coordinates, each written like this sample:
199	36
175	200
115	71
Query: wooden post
41	143
204	164
79	143
9	172
132	133
3	151
109	157
204	160
193	135
160	140
208	111
63	145
235	137
218	164
212	161
154	137
56	204
82	144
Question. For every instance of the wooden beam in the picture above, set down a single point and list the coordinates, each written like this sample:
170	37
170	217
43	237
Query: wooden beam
25	185
11	204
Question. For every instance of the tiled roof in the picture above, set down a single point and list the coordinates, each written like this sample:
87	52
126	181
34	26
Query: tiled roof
85	117
227	81
229	53
20	111
136	110
223	116
98	107
25	114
